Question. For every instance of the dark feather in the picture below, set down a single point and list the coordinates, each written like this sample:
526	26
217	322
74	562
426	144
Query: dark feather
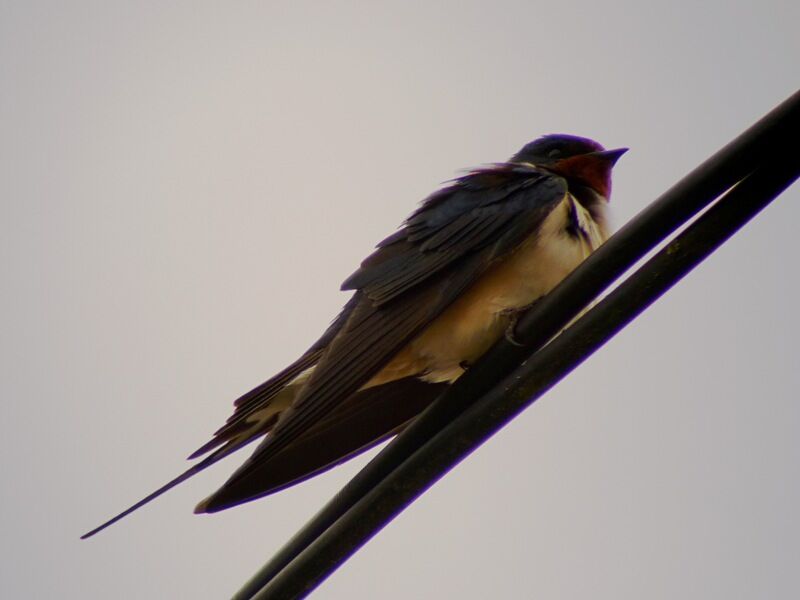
452	222
260	397
362	421
190	472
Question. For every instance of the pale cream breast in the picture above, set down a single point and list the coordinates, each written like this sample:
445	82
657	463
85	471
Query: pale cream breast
464	331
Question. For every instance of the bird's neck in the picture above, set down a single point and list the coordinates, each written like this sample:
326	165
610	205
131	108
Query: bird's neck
595	203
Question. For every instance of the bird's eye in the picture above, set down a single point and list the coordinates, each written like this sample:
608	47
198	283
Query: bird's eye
555	153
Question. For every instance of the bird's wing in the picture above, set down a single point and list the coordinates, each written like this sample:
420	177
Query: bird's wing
363	420
240	423
412	277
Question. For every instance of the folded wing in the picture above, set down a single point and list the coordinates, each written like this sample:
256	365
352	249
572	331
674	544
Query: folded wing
402	287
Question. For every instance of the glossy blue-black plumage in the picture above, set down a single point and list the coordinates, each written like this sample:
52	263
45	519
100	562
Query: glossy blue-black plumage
549	149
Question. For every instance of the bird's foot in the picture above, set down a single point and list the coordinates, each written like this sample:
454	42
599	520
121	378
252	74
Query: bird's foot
513	315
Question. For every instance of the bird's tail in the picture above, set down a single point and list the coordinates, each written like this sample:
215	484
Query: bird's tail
256	413
221	453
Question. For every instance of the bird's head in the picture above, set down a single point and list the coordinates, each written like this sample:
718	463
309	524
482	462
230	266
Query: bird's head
578	159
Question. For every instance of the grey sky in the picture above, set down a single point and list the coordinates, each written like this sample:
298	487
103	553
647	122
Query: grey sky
185	186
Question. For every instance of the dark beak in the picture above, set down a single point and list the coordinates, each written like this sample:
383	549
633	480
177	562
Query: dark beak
609	156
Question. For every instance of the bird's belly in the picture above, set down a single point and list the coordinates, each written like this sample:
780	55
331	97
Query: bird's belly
469	326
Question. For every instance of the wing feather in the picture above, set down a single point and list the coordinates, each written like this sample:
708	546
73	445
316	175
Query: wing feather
362	421
260	397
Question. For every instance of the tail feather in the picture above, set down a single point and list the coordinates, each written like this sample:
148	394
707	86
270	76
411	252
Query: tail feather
231	447
255	413
233	437
260	399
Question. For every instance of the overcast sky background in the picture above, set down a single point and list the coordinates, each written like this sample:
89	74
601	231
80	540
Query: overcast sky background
185	185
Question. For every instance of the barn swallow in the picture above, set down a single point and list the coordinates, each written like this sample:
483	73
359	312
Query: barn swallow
427	303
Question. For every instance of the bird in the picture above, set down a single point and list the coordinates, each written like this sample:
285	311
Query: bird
426	304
